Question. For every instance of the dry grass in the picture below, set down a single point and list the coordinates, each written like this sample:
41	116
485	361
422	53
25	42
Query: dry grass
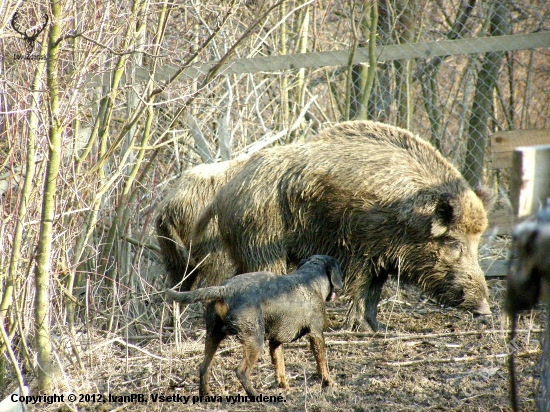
432	358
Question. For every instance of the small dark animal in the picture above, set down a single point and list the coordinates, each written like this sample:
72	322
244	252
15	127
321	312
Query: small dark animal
258	306
529	272
528	281
376	197
175	218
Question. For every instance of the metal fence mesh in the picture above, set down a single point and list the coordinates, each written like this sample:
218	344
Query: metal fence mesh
456	101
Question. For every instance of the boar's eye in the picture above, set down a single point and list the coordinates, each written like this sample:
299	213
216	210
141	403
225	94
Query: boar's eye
456	249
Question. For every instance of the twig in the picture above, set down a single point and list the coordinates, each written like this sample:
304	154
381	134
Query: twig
150	246
263	142
303	344
128	345
148	337
428	335
461	359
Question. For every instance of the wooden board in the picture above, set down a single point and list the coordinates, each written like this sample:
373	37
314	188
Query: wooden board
494	268
501	221
504	143
530	179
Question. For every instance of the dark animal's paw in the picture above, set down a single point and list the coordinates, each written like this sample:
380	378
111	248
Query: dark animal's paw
283	385
328	382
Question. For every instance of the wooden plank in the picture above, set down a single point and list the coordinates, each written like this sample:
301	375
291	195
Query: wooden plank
504	143
494	268
501	220
530	179
500	160
507	141
268	64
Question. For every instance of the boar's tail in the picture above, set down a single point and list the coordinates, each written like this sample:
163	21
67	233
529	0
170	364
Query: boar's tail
202	222
199	295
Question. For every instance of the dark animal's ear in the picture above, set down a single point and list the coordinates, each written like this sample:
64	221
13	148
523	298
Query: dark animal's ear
446	212
486	195
302	263
333	269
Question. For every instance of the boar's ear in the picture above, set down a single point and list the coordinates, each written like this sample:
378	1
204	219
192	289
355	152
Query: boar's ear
486	196
446	211
333	269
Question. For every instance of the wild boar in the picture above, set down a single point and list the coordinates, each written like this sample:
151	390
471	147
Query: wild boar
175	218
376	197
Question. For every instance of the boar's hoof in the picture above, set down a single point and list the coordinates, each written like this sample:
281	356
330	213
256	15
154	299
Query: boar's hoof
483	309
360	325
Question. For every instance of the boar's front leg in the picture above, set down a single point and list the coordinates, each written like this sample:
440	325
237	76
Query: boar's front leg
371	297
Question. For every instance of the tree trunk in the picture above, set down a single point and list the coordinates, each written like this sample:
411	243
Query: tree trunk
42	273
363	74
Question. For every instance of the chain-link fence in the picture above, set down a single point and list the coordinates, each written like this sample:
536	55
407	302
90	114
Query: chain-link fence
452	71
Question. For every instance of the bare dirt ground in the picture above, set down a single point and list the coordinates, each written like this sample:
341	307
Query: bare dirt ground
433	358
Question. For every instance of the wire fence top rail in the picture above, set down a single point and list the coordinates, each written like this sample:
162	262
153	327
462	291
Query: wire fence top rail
268	64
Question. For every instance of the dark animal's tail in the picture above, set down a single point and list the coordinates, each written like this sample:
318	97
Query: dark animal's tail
202	222
204	294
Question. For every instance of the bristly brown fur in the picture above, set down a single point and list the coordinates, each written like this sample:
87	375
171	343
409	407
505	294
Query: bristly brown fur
176	215
376	197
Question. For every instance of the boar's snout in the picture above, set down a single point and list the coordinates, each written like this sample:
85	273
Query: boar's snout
483	309
470	290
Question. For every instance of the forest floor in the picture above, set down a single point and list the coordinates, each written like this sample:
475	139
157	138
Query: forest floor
432	358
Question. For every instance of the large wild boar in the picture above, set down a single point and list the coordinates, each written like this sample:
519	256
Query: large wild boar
176	216
376	197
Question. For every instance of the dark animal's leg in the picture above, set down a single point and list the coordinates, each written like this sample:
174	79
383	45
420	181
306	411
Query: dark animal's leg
211	345
278	361
317	343
371	297
253	345
252	351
